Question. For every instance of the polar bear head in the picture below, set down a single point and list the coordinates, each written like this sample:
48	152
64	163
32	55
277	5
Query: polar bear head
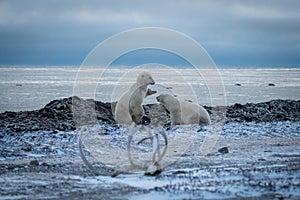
169	101
172	104
145	78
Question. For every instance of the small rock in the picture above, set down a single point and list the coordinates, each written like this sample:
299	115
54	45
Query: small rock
271	84
34	162
261	159
27	148
45	164
237	84
223	150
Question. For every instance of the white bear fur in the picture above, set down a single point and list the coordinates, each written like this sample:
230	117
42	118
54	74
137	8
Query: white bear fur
183	112
129	107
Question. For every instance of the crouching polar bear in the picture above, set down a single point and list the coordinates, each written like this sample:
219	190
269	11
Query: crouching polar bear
183	112
129	107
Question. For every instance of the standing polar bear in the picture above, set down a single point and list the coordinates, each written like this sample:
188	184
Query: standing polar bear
129	107
183	112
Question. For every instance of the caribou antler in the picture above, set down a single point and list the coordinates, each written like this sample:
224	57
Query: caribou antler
156	153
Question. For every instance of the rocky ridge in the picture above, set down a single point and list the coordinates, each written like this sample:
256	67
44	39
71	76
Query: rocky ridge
58	114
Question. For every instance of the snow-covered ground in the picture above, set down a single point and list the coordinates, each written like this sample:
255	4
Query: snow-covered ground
263	160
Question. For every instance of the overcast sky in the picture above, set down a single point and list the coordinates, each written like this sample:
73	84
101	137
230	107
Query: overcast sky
234	33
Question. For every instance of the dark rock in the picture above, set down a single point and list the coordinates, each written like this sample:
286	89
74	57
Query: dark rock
34	162
45	164
261	159
60	114
237	84
10	114
237	106
27	148
17	128
271	84
223	150
275	110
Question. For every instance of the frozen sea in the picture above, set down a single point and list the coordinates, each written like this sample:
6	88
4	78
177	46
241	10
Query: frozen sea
30	88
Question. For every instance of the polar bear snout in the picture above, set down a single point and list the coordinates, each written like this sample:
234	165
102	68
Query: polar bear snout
151	81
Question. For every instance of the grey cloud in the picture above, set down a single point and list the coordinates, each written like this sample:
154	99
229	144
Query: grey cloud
221	26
